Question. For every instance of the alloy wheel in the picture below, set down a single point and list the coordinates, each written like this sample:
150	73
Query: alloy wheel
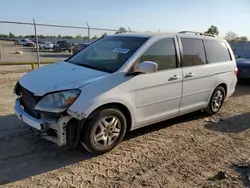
107	131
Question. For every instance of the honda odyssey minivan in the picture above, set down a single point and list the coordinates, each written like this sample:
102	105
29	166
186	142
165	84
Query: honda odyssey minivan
123	82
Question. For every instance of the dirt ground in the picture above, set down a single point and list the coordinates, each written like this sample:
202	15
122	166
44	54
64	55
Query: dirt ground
184	152
7	50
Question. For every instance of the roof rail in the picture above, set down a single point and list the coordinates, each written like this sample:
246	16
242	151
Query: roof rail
198	33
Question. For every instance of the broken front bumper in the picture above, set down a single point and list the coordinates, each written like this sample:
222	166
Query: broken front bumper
45	124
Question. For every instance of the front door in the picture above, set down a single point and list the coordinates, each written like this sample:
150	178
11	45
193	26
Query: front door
158	94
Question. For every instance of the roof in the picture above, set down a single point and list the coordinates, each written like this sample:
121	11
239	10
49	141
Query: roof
154	34
143	34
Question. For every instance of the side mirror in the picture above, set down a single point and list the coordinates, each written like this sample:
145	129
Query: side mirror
148	67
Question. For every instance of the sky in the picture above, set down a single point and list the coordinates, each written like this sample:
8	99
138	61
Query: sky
138	15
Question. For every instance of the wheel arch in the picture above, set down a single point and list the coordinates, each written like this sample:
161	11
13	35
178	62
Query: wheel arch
123	108
208	108
225	88
224	85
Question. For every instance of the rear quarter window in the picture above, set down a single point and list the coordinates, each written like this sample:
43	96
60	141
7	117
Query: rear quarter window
216	51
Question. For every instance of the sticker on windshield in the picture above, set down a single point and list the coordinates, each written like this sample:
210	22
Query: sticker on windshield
121	50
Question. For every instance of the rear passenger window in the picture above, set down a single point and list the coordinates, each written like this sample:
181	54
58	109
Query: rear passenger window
193	52
216	51
163	53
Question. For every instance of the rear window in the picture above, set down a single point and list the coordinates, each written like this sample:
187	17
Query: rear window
193	52
216	51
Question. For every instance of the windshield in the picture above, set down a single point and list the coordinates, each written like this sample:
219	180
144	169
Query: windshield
108	54
246	56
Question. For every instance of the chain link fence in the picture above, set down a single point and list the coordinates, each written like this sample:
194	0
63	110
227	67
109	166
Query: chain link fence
31	42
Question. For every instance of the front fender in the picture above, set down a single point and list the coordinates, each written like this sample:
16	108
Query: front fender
111	89
83	111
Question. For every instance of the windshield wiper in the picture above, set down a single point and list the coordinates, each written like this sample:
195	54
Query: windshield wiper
86	65
91	67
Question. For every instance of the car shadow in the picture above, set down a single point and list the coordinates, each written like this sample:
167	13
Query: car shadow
244	173
24	154
235	124
242	88
164	124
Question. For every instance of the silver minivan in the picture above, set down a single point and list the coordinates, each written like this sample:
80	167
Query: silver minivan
123	82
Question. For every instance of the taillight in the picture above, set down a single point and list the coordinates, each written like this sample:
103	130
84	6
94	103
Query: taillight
235	70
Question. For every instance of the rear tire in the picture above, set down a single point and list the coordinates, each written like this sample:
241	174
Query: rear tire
104	130
216	101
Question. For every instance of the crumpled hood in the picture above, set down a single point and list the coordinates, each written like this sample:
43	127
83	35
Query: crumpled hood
59	76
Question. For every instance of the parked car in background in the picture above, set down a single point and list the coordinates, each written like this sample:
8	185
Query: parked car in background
26	43
46	45
62	45
124	82
79	47
41	45
243	64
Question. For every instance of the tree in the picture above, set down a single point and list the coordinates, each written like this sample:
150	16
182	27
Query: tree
50	36
231	36
59	36
41	36
4	36
243	39
29	36
11	35
104	35
121	30
95	37
79	36
85	37
212	30
67	37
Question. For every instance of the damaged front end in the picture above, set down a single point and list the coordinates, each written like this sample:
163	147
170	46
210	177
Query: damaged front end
58	127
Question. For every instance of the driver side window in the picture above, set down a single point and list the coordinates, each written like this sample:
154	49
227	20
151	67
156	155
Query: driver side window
162	52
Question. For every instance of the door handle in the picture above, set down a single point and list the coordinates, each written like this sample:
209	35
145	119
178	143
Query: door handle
189	75
174	77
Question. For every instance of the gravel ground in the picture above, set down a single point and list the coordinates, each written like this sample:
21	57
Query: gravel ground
184	152
29	54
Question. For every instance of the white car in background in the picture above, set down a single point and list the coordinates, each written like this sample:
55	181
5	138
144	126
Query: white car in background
26	42
46	45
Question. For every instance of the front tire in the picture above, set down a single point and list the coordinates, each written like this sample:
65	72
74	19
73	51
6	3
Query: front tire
104	130
216	101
